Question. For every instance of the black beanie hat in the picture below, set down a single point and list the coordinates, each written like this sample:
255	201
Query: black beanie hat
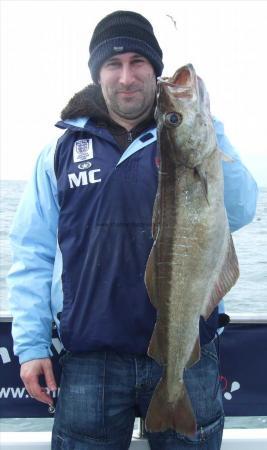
121	32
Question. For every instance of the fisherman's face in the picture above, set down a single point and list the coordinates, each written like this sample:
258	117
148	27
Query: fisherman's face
128	84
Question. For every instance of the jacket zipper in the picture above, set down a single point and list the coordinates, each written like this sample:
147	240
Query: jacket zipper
129	137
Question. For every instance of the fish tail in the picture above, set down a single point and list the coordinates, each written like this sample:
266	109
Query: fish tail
177	415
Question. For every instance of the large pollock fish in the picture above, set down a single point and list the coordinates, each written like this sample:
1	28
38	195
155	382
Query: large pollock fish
192	264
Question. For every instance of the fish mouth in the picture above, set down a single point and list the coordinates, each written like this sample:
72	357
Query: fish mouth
176	90
181	85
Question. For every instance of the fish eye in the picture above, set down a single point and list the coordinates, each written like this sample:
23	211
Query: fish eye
173	119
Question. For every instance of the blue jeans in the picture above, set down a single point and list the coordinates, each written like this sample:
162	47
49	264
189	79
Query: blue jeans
101	392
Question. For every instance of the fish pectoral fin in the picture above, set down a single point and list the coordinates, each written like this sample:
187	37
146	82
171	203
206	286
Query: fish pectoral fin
203	179
165	415
224	157
226	280
195	355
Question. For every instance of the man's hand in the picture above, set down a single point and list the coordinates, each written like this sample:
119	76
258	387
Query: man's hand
30	372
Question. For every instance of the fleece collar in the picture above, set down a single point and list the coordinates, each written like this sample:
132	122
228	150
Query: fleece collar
89	102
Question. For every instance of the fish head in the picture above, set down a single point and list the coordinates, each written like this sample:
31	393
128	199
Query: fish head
183	118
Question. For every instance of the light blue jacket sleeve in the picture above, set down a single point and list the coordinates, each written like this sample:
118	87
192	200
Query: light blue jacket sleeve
240	188
33	243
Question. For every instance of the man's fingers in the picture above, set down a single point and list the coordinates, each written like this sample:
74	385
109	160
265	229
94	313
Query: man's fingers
49	376
38	392
30	373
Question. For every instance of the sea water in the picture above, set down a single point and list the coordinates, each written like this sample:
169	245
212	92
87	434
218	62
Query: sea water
248	295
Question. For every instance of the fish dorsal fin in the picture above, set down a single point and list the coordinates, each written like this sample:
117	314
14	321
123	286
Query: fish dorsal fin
158	346
155	217
150	278
226	279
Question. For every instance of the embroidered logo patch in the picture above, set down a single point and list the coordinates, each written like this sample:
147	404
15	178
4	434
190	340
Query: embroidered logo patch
118	49
84	165
82	150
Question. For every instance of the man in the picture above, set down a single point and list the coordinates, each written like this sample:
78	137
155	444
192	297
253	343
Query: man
81	239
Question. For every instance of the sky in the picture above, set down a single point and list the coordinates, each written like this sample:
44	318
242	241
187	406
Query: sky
44	55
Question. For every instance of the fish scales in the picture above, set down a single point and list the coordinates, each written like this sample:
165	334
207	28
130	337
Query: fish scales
189	215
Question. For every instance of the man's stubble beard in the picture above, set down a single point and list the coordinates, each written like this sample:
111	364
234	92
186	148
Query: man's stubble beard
128	110
131	108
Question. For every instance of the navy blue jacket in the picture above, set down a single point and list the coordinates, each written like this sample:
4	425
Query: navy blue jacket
82	236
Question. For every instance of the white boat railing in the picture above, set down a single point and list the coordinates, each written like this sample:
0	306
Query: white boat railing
252	318
5	316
